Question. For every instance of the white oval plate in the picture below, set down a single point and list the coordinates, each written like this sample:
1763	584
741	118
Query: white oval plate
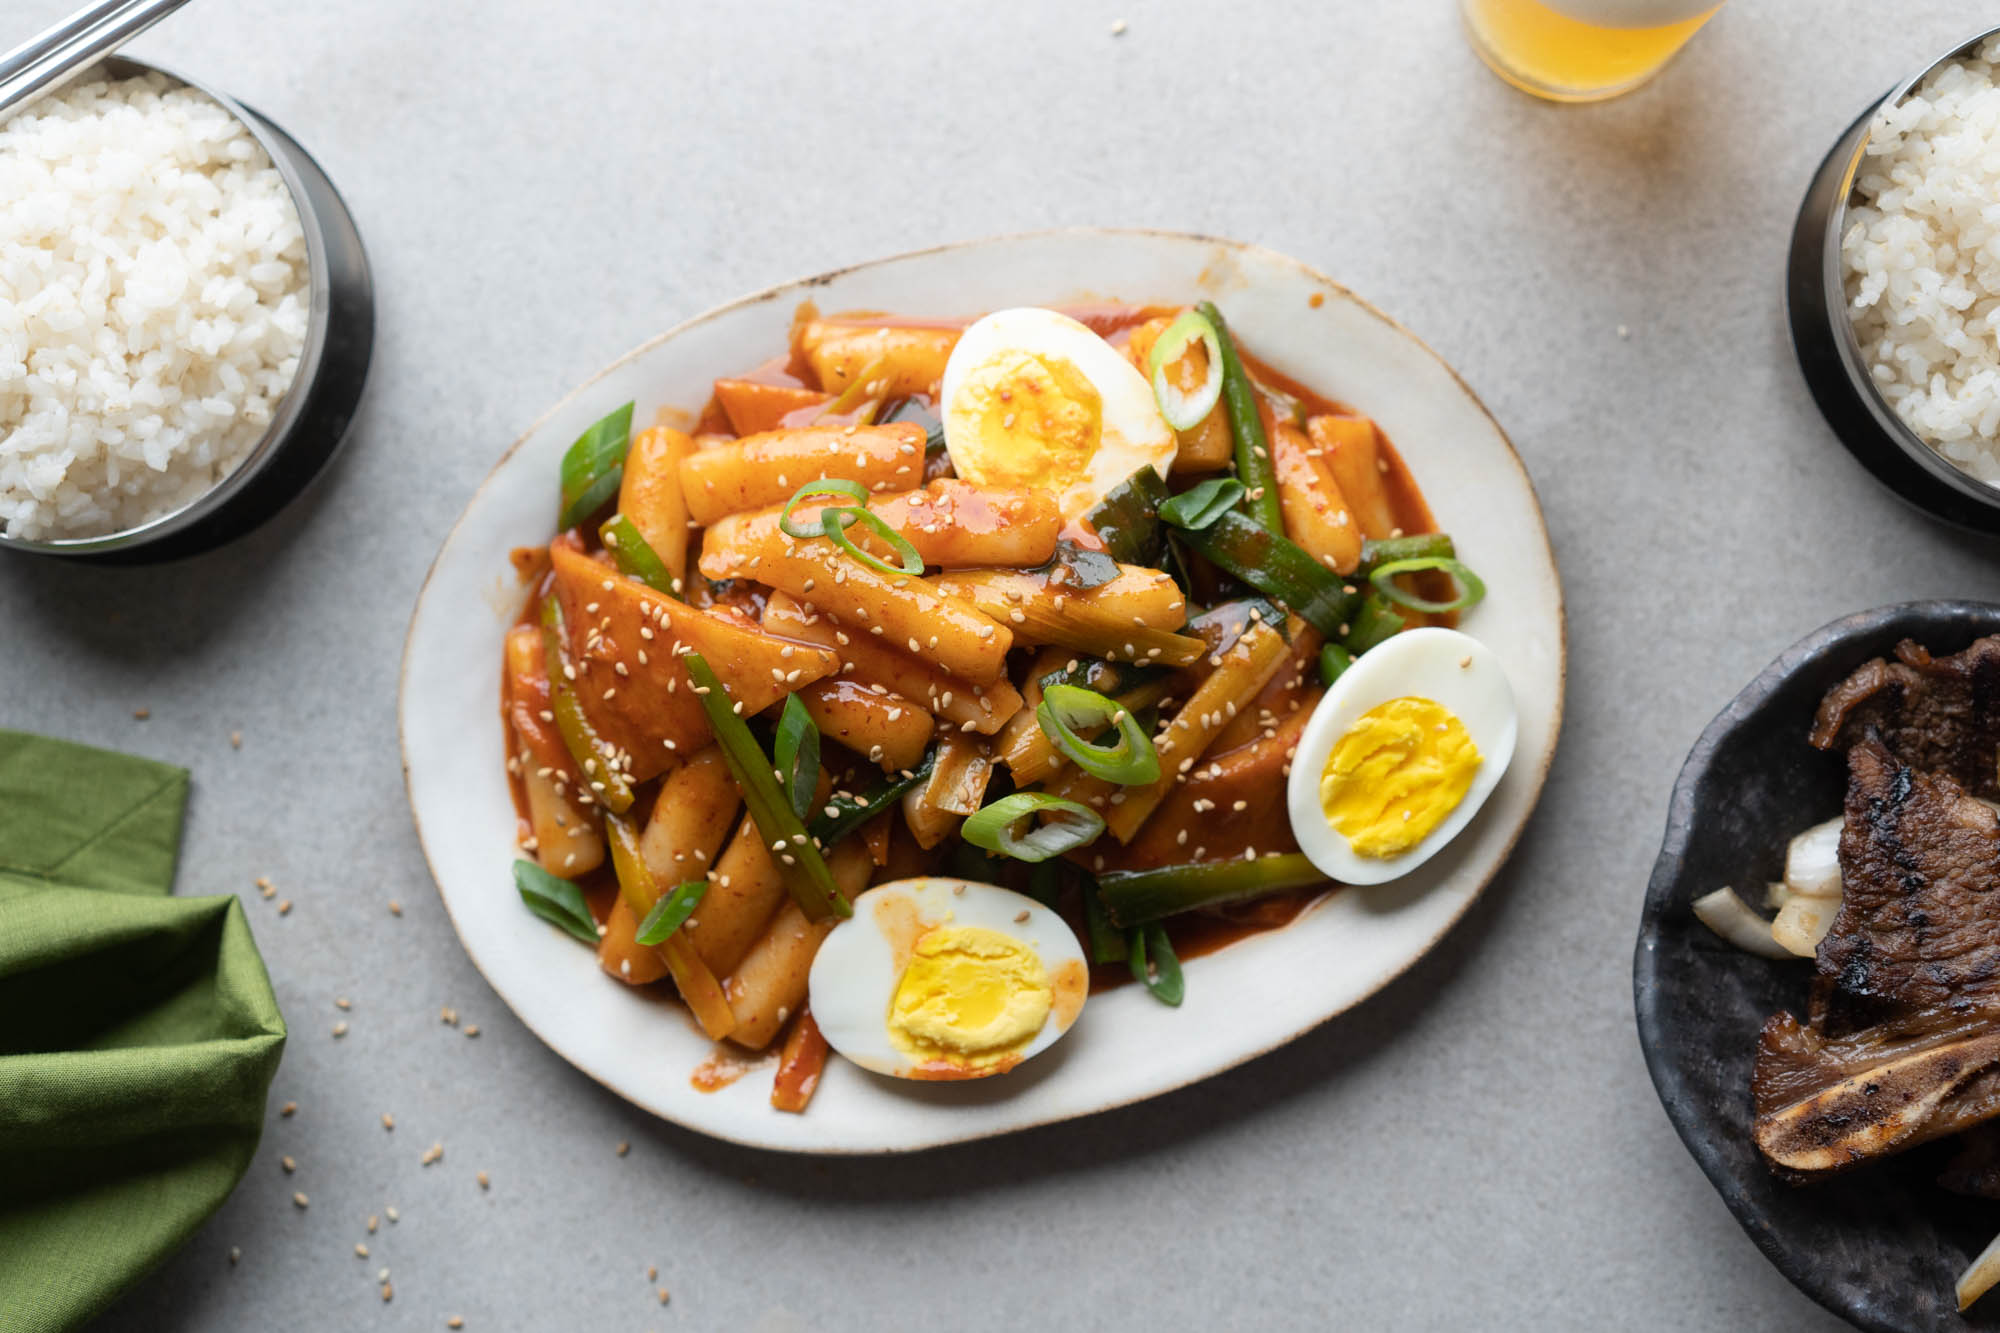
1242	1001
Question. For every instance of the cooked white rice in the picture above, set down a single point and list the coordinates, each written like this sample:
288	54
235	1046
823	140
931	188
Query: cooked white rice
153	304
1922	259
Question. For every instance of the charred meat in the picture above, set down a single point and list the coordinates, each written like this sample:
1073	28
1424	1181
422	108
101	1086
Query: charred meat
1936	714
1902	1041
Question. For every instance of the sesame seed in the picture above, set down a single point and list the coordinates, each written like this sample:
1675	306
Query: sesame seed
342	1002
1021	915
485	1181
142	713
433	1154
395	908
448	1015
391	1213
235	740
289	1109
235	1254
472	1029
623	1147
289	1165
388	1293
360	1250
300	1200
373	1223
340	1029
454	1322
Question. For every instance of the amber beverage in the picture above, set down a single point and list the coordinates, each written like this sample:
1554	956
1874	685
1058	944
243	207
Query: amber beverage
1581	50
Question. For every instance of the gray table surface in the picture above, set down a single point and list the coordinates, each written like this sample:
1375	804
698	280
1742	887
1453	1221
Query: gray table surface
543	186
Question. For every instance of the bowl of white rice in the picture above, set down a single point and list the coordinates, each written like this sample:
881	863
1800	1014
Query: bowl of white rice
1894	286
186	318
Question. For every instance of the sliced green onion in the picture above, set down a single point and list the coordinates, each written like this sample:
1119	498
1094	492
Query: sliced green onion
1107	942
851	490
1424	544
856	392
1246	427
1333	659
1075	825
1045	884
1185	411
593	757
965	861
1154	963
671	912
800	864
1082	568
795	754
1474	588
1105	676
635	555
1374	623
556	900
1278	568
844	814
1199	506
842	519
1134	897
1132	762
1127	519
594	466
910	409
1221	625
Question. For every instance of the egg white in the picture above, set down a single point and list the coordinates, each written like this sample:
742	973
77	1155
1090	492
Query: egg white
1425	663
856	971
1134	435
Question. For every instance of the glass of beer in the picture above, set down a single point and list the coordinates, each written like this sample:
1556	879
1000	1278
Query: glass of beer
1581	50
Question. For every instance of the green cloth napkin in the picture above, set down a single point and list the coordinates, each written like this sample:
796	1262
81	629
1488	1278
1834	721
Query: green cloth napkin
138	1032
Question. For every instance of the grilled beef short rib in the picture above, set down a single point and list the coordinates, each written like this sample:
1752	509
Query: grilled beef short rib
1902	1039
1936	714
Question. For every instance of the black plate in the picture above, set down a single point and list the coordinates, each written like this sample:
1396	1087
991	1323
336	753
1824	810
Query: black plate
1883	1245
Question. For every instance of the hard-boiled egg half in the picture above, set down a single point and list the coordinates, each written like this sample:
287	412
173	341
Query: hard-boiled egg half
1406	746
1033	398
946	979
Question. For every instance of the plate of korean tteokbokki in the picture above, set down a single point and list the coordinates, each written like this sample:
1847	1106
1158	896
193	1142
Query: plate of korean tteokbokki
981	687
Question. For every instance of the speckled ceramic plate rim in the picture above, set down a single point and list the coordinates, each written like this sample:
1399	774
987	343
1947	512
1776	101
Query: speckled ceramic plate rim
1677	1099
950	1122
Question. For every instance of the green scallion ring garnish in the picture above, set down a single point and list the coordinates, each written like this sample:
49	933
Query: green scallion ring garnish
851	490
838	521
1132	762
1383	576
1185	411
671	911
1333	660
1075	825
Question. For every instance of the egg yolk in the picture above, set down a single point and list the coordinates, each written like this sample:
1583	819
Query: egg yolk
1395	774
1037	419
971	997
